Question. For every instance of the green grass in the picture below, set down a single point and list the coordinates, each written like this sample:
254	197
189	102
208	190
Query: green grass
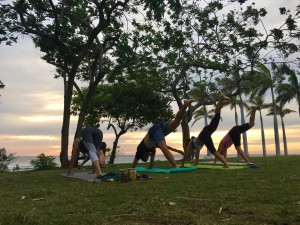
268	195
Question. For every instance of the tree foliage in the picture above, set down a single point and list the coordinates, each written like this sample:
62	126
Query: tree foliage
5	159
43	162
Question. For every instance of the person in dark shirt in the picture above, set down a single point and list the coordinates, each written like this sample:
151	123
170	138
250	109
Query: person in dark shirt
155	137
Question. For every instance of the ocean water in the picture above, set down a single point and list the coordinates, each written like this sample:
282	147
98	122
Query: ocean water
23	162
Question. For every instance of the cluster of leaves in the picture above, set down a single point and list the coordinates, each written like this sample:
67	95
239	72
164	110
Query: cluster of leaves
43	162
127	102
5	160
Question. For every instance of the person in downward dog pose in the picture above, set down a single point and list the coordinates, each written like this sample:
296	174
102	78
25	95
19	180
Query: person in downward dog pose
155	137
91	139
204	137
234	136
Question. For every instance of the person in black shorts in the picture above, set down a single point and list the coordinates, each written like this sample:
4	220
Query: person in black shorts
155	137
91	140
204	137
234	137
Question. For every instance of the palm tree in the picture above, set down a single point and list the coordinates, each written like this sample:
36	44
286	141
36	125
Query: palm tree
203	113
245	140
233	102
268	80
290	90
281	111
259	100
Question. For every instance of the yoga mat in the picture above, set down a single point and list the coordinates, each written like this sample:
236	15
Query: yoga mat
201	166
160	170
83	176
220	163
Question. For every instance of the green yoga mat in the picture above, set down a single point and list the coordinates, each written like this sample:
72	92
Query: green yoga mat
204	166
220	163
160	170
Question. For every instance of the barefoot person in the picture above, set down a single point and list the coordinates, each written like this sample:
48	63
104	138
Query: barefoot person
91	139
204	138
156	138
100	153
234	137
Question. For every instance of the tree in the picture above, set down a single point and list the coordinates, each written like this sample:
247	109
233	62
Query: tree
286	91
74	35
127	106
281	111
291	21
5	159
259	100
268	80
66	32
197	45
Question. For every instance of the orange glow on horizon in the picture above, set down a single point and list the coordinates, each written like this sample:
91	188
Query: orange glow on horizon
34	144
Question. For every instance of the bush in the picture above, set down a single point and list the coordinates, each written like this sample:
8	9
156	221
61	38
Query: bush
5	160
43	162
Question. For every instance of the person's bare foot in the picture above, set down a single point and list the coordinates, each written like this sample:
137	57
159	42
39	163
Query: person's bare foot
224	98
189	101
256	107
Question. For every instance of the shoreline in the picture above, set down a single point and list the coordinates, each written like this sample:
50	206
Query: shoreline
23	162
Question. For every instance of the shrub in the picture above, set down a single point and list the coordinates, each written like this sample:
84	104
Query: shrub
5	160
43	162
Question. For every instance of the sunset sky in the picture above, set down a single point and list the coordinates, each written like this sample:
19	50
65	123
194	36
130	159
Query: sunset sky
31	107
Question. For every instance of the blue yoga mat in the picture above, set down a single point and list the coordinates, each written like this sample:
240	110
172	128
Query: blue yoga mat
160	170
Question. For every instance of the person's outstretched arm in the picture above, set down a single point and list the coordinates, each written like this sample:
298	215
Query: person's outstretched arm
164	148
135	162
151	161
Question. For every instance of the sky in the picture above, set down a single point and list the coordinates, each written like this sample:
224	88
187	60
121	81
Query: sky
31	107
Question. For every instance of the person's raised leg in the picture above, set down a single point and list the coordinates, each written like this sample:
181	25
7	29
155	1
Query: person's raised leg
241	152
221	158
222	150
173	124
220	103
252	115
164	148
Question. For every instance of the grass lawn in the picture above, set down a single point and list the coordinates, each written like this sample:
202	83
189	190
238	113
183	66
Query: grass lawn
267	195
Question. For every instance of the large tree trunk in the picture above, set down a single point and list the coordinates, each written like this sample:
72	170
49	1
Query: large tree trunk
185	129
65	127
245	141
263	140
284	138
114	150
276	133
